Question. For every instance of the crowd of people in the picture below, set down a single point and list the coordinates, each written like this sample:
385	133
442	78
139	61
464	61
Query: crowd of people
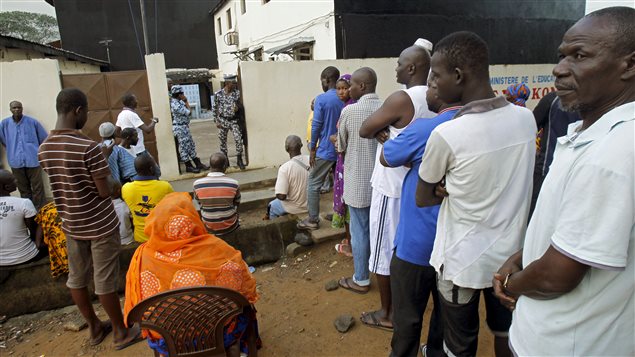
446	190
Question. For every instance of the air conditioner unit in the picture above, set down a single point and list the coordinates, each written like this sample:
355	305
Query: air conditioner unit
231	38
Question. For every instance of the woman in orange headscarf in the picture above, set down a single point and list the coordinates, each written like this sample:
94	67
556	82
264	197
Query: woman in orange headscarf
180	253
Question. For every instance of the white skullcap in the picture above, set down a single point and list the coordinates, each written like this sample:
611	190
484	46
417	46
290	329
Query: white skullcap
423	43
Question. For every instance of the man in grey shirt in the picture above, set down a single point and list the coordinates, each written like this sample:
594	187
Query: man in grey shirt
359	161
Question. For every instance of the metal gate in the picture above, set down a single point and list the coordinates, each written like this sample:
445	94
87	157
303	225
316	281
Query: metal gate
104	92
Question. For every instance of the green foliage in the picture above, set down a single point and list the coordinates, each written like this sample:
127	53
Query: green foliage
29	26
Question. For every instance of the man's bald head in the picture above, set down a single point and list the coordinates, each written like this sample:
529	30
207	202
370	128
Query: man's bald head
367	76
218	162
413	66
145	165
293	144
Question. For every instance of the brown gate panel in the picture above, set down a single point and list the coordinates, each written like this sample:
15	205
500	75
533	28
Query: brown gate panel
104	92
93	85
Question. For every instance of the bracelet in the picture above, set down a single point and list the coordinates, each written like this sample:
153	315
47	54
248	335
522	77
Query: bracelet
506	281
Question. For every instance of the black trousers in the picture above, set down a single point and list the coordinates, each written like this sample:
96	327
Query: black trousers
411	286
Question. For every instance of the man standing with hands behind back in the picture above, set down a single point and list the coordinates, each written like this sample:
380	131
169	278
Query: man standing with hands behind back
226	107
22	135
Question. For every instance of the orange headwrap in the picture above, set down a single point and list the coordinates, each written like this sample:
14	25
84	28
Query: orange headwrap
180	253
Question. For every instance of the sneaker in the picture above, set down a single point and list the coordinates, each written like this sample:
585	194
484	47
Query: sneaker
308	224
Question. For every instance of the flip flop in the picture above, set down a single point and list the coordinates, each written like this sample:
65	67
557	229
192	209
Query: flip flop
106	328
136	339
349	284
343	249
374	321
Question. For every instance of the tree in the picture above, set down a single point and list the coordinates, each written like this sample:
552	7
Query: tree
29	26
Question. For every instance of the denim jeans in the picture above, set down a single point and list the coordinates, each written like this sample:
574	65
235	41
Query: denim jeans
316	179
360	244
276	209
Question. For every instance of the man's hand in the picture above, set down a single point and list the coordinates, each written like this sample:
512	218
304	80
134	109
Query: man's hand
312	153
107	149
511	266
383	136
439	189
218	125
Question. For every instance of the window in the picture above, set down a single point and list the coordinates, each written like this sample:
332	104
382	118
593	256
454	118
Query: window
229	19
243	7
218	26
303	53
258	55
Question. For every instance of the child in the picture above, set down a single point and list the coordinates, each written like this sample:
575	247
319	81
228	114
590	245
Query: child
340	213
125	220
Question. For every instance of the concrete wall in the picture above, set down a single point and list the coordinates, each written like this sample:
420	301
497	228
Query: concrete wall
277	96
66	66
592	5
273	24
155	67
35	83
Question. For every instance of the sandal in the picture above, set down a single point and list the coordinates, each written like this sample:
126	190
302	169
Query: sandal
344	249
106	328
349	284
370	319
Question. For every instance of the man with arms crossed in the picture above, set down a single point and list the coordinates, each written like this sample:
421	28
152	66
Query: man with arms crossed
81	184
486	155
395	114
359	159
574	279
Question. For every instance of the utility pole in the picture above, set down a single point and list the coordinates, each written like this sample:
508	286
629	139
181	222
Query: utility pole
143	25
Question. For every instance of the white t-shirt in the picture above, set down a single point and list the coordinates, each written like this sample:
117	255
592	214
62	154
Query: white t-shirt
388	180
126	231
487	157
292	181
16	245
129	119
586	210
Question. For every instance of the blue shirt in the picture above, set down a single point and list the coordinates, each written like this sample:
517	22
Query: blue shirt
417	225
121	164
326	113
22	140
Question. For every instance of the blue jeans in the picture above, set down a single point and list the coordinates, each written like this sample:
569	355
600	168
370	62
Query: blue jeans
276	209
360	244
316	179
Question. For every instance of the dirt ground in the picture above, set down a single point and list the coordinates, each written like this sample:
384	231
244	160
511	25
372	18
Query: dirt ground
295	316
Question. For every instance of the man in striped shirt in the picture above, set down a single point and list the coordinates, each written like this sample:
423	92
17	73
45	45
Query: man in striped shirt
219	197
81	184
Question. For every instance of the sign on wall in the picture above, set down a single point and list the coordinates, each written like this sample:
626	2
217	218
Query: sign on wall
537	77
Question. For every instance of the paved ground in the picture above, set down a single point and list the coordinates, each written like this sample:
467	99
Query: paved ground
205	136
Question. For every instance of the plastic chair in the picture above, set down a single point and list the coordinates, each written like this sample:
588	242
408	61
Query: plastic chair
190	320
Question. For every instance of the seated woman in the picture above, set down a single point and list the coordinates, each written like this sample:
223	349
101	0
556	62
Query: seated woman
180	253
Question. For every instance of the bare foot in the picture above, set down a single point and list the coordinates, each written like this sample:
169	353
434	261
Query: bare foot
133	335
103	328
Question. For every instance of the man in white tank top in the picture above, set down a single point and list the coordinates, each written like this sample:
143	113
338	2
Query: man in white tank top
399	109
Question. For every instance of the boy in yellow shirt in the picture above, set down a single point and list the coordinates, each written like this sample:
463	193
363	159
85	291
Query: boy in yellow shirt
144	193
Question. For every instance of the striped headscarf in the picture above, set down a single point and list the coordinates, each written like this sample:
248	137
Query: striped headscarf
518	94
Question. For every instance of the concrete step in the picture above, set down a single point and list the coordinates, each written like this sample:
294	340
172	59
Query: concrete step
256	199
247	180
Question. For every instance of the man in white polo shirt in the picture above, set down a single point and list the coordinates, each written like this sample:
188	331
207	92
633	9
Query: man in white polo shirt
485	157
574	279
128	118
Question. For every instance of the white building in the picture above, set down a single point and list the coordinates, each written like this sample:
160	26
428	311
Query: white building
264	30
